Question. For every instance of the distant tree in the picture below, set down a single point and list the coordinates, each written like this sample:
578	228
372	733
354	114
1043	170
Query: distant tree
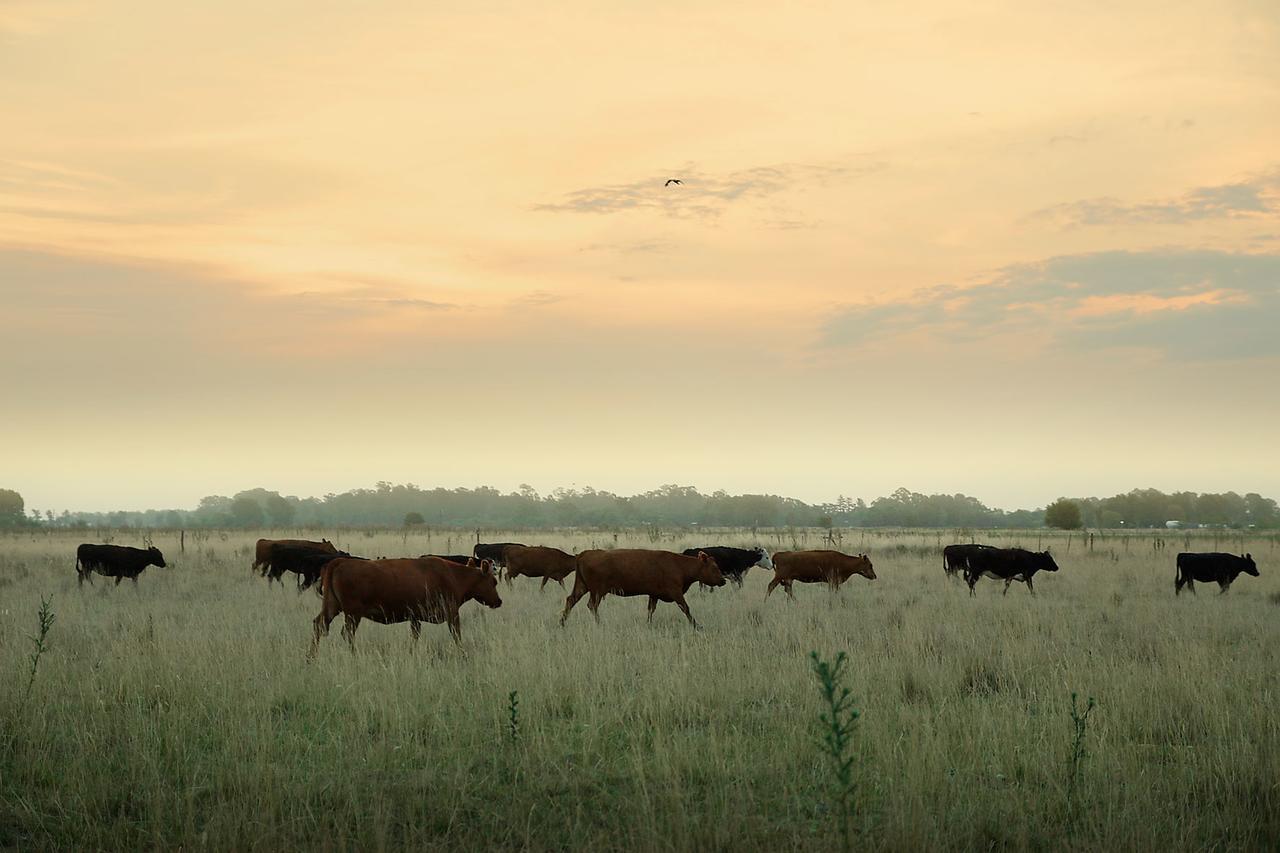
279	510
413	519
1063	514
246	512
12	508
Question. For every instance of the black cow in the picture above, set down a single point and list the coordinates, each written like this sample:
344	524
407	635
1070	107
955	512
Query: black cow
734	562
460	559
1009	564
955	558
304	562
115	561
492	552
1219	568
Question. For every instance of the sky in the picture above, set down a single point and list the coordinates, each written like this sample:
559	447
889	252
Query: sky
1016	250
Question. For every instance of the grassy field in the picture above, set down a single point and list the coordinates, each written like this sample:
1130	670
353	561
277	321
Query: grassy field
183	713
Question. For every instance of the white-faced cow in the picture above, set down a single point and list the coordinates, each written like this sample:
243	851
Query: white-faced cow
734	562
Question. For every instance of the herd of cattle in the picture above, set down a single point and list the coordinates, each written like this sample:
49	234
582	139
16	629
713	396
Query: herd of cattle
432	587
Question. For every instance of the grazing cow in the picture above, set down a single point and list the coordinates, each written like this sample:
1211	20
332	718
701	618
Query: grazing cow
734	562
460	559
493	552
306	563
262	551
955	558
661	575
538	561
115	561
1009	564
1221	569
829	567
408	590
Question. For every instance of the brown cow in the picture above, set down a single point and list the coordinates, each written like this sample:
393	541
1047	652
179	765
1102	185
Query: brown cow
262	550
406	590
830	567
537	561
661	575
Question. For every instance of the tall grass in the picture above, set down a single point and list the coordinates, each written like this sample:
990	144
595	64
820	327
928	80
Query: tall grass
182	715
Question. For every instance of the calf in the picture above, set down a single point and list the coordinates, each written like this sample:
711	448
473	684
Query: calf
661	575
391	591
1009	565
829	567
538	561
115	561
1221	569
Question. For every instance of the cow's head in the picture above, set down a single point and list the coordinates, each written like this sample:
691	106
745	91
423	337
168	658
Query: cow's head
707	571
1250	567
1044	562
865	568
485	590
155	558
764	560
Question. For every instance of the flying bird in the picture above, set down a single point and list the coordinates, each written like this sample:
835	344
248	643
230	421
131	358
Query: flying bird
671	181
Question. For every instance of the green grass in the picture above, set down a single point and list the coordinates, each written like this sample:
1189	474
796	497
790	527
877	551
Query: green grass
184	713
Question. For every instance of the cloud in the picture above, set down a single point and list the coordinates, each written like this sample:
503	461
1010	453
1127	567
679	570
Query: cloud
1186	305
701	195
1257	196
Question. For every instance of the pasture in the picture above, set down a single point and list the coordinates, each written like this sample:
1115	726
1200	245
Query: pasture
183	713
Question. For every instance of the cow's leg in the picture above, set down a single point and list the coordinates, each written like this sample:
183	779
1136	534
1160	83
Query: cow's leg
1191	585
561	582
118	579
544	583
680	602
971	579
1007	582
349	630
787	586
579	590
772	584
1223	586
653	605
593	604
1030	586
328	610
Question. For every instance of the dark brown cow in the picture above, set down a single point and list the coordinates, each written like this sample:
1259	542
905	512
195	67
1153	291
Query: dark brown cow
661	575
262	551
407	590
829	567
538	561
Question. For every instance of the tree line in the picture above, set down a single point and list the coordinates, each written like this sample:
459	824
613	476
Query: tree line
390	505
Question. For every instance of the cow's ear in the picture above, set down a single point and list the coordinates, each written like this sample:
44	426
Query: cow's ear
471	562
1248	556
486	567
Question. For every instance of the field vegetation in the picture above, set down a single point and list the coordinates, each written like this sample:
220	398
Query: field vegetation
183	713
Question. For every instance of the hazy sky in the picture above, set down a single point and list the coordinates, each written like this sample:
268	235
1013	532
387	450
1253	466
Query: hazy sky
977	247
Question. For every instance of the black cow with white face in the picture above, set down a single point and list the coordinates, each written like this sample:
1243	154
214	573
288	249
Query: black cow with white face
734	562
115	561
1007	564
493	552
1221	569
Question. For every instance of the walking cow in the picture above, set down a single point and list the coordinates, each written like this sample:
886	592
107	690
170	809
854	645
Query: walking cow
115	561
1221	569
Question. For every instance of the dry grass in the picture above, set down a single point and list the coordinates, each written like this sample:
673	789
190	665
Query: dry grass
183	713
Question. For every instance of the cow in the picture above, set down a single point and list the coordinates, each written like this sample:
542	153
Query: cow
460	559
1222	569
538	561
306	563
661	575
955	558
115	561
829	567
262	550
1009	564
734	562
493	552
405	590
